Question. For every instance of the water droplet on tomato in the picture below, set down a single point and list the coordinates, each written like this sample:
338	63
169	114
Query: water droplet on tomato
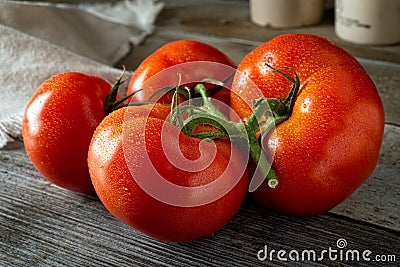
305	106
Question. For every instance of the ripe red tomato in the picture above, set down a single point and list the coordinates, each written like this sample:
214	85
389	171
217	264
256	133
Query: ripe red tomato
330	144
151	176
58	124
172	54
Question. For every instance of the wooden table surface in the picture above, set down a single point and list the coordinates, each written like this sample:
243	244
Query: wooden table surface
43	225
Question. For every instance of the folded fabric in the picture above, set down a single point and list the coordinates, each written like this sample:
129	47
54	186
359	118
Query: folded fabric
38	40
26	62
103	31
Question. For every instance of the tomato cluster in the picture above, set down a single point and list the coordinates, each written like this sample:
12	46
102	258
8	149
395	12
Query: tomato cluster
170	163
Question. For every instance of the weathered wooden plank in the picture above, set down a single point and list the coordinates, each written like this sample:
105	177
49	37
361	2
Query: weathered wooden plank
43	225
377	200
387	79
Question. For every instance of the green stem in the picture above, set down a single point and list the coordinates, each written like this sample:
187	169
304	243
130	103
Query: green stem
244	135
111	103
207	104
257	154
266	115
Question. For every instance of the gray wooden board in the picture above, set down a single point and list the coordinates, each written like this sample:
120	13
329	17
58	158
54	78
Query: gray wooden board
43	225
377	200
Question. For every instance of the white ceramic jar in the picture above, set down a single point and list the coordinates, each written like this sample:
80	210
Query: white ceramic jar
373	22
286	13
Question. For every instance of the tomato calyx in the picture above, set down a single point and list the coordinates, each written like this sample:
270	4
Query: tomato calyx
281	109
112	102
244	135
249	135
267	113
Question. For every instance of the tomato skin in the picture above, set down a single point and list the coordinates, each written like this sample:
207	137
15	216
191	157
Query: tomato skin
172	54
304	53
330	144
126	200
58	124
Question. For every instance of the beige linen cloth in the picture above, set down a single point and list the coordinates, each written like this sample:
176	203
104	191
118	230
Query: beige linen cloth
40	40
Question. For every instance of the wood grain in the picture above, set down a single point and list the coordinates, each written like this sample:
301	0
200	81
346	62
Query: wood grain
43	225
377	200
